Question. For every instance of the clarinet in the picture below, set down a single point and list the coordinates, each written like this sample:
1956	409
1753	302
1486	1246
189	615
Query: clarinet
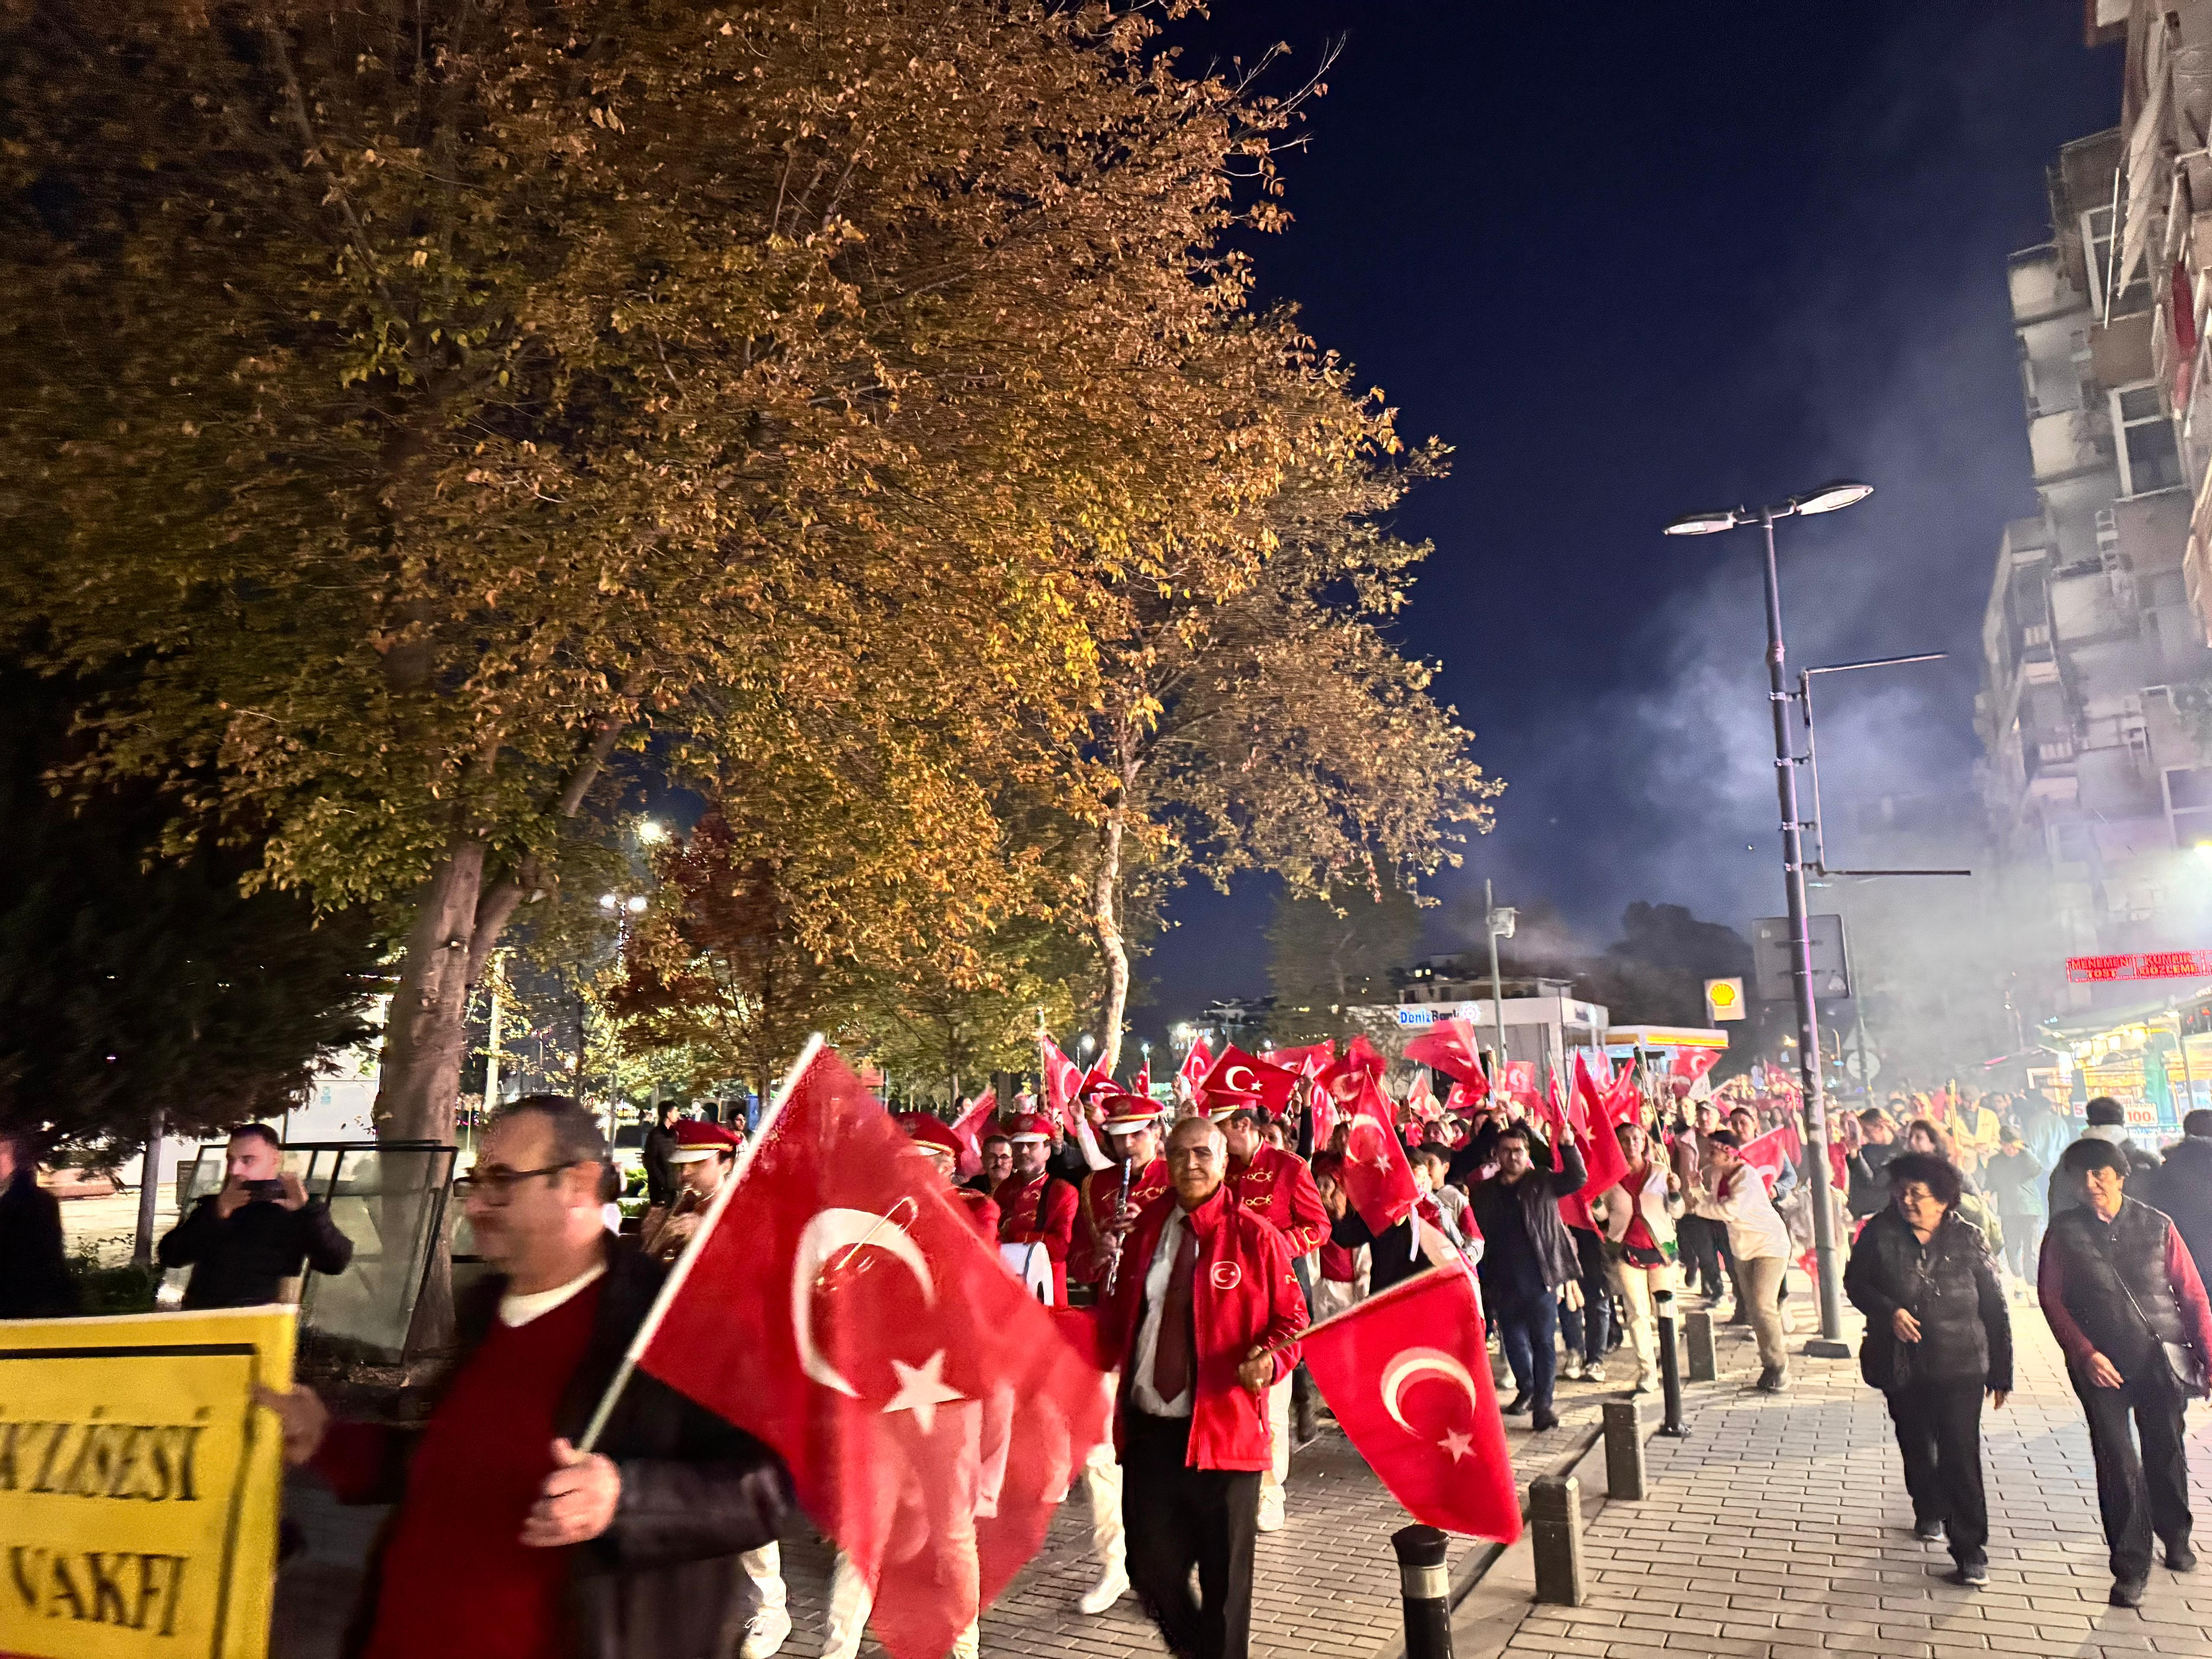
1121	1214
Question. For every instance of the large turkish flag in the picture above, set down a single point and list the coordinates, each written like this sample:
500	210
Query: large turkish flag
838	1306
1407	1375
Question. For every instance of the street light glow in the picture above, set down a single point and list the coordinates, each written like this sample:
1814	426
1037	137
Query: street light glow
607	901
1834	496
637	903
1705	524
651	832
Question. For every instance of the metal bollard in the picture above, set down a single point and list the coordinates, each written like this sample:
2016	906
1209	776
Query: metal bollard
1555	1537
1670	1368
1426	1586
1623	1449
1704	1361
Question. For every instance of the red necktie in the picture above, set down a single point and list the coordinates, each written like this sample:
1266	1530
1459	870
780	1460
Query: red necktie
1178	1338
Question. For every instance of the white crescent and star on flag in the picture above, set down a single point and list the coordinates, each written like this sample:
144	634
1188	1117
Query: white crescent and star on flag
1408	1364
921	1388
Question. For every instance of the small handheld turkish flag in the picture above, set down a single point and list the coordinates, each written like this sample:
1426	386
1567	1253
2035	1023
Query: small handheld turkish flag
1765	1153
838	1306
1238	1078
1307	1060
1407	1376
1691	1064
969	1128
1378	1179
1448	1045
1603	1112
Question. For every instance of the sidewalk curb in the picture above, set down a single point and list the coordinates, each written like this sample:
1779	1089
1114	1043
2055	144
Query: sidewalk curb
1500	1579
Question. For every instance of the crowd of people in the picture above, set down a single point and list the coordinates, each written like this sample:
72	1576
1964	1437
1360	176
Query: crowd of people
1204	1235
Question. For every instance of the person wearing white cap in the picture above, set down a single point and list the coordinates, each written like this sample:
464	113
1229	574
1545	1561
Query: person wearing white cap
1033	1207
1112	1201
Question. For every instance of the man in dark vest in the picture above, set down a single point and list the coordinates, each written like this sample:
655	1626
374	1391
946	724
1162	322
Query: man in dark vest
2124	1302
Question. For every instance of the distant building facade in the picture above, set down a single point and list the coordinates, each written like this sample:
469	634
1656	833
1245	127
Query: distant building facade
2095	712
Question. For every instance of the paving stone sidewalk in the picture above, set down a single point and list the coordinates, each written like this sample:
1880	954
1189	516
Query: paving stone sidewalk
1325	1584
1780	1530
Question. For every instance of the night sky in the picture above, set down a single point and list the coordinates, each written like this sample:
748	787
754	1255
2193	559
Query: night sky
1636	258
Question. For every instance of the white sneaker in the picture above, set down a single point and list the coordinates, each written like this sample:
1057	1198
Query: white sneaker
1105	1593
1271	1509
765	1634
1594	1373
1572	1371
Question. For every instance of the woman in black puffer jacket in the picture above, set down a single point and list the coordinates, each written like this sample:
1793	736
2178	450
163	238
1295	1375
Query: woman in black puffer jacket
1938	1337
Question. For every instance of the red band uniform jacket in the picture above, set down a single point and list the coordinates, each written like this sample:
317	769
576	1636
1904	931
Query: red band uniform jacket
1277	1187
1244	1295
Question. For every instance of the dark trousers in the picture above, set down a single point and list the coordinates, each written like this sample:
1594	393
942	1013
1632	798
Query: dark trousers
1704	1246
1588	1327
1529	1331
2023	1245
2138	1496
1178	1518
1939	1435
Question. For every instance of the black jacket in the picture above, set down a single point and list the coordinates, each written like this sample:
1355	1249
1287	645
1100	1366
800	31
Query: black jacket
659	1173
2183	1188
2115	1283
237	1261
664	1581
1522	1236
34	1280
1869	1187
1949	1285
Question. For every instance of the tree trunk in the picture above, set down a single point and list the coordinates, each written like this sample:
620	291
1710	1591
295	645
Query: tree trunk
424	1033
1106	923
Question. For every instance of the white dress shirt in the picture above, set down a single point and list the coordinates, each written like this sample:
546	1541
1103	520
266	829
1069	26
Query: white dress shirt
1141	1391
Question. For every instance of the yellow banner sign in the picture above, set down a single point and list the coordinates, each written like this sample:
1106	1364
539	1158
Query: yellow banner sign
139	1484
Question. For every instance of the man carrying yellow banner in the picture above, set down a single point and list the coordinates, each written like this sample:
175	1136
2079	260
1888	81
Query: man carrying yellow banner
508	1543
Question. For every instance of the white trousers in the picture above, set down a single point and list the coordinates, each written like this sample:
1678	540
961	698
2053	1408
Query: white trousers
765	1566
1637	1286
1279	1449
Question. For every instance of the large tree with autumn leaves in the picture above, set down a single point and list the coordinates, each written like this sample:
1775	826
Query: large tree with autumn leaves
446	410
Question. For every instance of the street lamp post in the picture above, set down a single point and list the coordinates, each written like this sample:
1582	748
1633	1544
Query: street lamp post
1829	498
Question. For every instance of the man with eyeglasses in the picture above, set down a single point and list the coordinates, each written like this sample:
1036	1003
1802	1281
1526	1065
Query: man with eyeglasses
508	1543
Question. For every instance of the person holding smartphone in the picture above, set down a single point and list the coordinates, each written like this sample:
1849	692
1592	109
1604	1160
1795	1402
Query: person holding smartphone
260	1231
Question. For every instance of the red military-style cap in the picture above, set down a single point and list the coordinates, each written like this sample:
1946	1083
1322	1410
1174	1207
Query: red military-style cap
930	1132
1027	1126
697	1139
1126	1113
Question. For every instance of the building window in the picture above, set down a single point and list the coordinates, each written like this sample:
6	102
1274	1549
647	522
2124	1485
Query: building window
2144	439
2189	804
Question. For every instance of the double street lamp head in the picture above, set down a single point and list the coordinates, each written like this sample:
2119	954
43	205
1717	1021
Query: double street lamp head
1831	497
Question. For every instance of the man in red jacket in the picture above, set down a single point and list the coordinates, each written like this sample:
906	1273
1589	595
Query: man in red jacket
1035	1208
1204	1318
1276	1186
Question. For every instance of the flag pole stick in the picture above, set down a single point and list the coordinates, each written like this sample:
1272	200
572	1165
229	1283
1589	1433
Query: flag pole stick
681	1271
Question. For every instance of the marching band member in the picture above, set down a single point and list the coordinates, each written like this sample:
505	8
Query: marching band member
1112	1201
702	1162
1277	1187
1033	1207
1191	1421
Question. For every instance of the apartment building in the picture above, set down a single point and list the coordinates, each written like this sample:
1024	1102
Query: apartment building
2094	712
